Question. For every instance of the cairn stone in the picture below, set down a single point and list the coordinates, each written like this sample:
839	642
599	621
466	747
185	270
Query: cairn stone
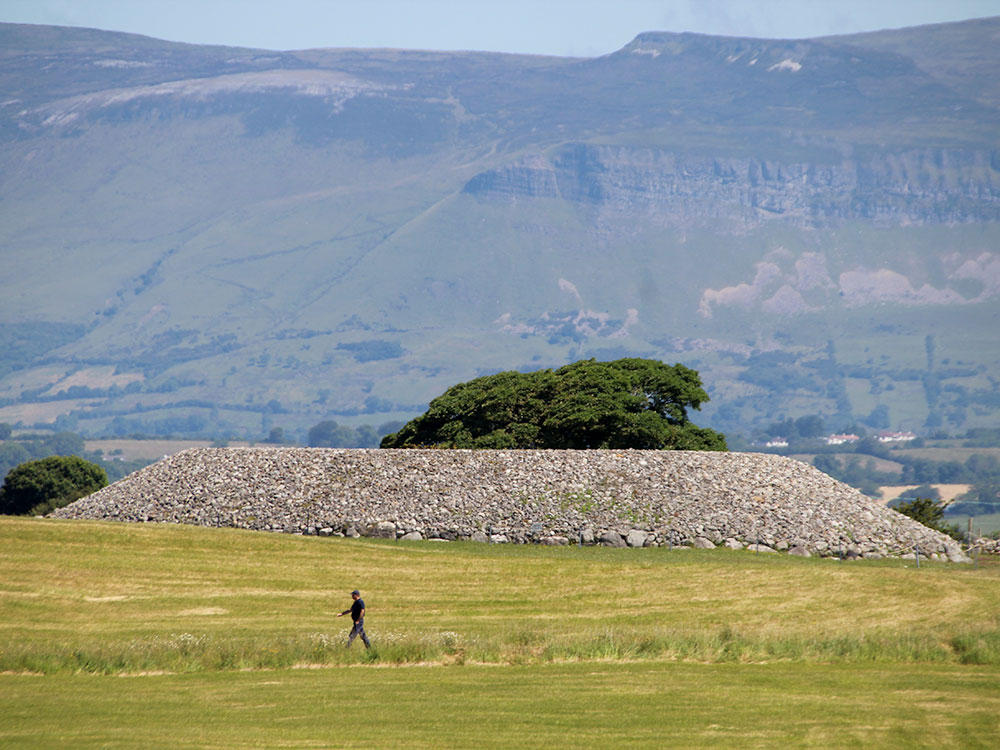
636	538
503	496
612	539
554	541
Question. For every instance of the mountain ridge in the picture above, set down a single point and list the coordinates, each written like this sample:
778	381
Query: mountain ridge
349	232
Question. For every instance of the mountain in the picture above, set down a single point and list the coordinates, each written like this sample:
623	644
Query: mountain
220	240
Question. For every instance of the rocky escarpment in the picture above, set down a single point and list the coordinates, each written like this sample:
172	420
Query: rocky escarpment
920	186
616	498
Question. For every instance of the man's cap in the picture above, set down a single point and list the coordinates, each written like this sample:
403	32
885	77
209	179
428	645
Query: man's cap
355	592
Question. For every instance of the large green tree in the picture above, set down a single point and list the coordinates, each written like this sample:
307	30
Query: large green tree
41	486
628	403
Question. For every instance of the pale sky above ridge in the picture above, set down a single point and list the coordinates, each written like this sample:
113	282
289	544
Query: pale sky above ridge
555	27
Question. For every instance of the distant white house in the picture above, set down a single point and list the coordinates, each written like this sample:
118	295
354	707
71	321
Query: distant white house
776	443
895	437
841	439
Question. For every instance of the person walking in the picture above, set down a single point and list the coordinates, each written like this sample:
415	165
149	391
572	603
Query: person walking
357	612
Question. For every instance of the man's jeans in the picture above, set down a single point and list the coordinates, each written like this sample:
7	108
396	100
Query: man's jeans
358	629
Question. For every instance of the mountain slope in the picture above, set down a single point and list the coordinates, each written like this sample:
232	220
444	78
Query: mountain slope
227	239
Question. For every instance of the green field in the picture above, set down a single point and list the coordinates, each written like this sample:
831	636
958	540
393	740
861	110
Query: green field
946	453
553	705
121	636
987	523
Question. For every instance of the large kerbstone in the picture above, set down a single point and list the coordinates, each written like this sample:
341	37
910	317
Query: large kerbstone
383	530
636	538
612	539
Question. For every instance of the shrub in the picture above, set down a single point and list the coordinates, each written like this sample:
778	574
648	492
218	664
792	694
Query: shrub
930	513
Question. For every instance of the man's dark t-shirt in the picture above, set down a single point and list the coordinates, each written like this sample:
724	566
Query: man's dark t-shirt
356	608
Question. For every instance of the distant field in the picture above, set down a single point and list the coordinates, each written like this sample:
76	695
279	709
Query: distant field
214	629
956	453
103	376
152	449
880	464
986	523
45	411
948	491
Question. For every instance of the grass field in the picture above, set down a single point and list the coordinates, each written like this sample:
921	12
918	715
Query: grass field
951	453
628	705
986	523
114	635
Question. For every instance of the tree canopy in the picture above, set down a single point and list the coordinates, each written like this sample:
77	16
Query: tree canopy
41	486
627	403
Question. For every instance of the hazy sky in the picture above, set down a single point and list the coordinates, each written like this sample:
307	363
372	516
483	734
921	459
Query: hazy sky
558	27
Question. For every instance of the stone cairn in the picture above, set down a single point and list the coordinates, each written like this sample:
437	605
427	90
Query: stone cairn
986	545
617	498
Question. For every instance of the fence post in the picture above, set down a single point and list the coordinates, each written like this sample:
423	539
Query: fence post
916	554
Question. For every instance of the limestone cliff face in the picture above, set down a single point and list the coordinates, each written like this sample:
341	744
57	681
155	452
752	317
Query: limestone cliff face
927	186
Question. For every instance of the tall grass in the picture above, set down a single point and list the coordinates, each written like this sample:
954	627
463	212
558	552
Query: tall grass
188	652
127	599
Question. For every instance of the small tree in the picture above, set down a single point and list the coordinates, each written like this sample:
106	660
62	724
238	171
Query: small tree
930	513
275	436
39	487
329	434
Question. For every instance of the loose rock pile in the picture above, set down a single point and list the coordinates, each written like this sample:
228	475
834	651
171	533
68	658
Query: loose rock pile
987	546
617	498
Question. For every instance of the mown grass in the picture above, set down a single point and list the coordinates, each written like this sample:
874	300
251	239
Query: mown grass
118	599
637	704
